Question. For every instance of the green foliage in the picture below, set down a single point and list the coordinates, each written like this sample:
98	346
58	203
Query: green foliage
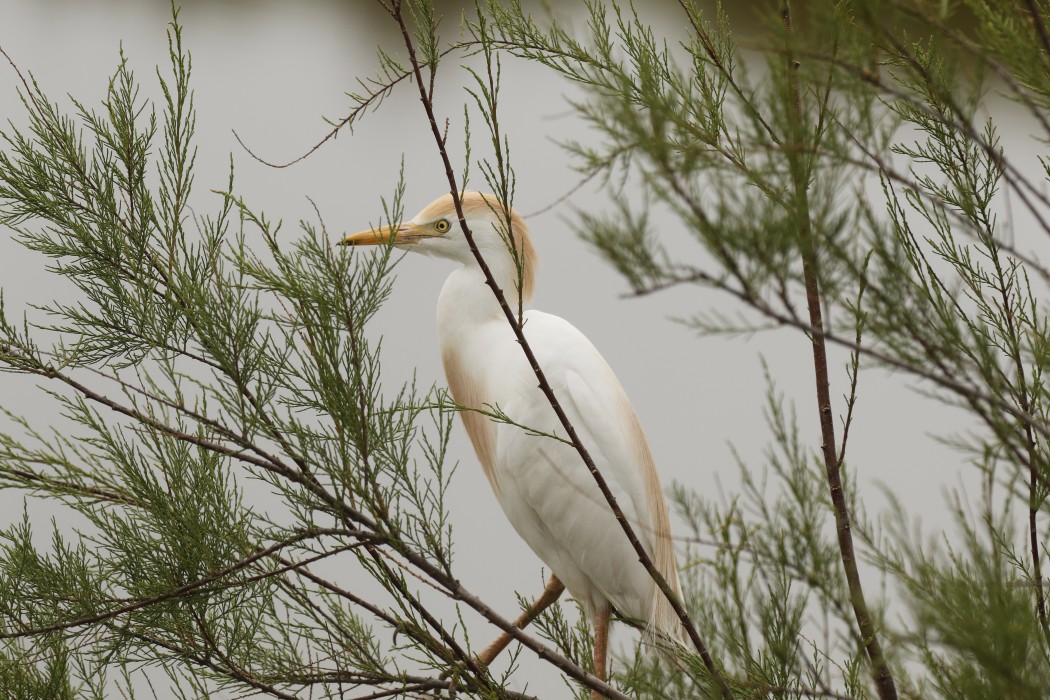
772	171
225	441
200	378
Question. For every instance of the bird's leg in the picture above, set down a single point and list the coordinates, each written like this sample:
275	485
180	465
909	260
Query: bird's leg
550	594
601	647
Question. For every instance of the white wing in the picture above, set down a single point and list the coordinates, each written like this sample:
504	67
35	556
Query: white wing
544	487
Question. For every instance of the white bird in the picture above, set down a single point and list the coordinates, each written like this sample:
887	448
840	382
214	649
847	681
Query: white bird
542	484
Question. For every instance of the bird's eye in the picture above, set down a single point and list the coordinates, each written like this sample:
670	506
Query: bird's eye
442	225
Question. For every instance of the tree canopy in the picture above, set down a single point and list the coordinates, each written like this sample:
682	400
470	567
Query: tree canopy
842	164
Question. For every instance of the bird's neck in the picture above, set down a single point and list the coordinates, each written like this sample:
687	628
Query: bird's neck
471	329
466	299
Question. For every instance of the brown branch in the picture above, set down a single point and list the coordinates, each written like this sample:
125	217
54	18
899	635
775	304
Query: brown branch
880	668
397	625
270	464
33	481
412	631
548	392
323	618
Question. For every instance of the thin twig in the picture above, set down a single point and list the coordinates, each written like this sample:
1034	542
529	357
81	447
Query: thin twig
380	93
564	197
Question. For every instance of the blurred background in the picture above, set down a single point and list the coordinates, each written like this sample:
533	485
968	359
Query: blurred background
272	71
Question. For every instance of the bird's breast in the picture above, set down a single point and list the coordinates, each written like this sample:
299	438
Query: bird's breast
466	390
481	364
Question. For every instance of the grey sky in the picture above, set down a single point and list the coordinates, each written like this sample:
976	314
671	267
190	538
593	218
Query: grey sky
272	70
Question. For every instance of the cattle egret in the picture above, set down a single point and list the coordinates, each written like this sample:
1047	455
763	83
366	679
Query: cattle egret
543	486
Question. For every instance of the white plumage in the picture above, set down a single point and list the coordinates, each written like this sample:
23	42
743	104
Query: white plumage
543	486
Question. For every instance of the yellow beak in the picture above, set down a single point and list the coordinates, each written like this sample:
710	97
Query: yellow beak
405	233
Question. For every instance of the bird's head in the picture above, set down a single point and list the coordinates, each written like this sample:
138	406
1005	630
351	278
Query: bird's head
436	231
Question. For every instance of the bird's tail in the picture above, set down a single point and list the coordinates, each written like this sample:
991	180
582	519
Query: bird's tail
665	629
